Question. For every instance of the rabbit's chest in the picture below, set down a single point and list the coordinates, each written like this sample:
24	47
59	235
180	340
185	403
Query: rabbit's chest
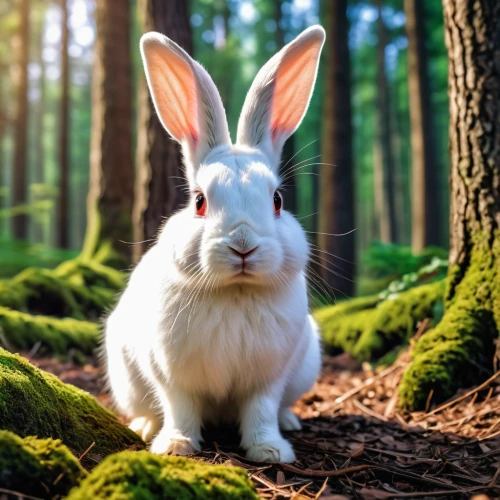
233	346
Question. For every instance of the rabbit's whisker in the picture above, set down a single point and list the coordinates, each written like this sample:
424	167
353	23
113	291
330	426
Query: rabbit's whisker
316	247
334	273
323	258
136	242
299	163
306	216
320	283
288	174
331	234
299	151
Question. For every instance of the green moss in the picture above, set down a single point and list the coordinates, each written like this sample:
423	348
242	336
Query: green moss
33	402
39	467
142	475
91	273
21	331
396	320
369	327
342	324
78	289
459	351
109	257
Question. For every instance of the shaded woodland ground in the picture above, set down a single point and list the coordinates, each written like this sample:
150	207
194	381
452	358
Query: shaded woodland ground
355	442
408	405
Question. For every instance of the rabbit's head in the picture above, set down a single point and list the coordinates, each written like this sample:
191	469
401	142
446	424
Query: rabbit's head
235	228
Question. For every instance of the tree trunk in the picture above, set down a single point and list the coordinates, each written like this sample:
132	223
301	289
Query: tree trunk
110	200
19	221
4	224
63	215
160	182
40	113
425	225
290	182
388	232
39	160
400	209
459	351
225	85
337	183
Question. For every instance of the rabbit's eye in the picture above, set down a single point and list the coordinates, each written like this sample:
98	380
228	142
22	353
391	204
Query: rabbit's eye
201	205
278	202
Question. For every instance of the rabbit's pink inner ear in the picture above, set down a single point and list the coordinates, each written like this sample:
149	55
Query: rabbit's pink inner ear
173	86
293	87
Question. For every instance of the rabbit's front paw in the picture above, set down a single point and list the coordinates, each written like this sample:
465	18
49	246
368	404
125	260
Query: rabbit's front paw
289	421
168	444
145	427
279	450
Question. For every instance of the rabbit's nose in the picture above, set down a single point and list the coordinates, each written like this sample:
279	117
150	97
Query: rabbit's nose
244	254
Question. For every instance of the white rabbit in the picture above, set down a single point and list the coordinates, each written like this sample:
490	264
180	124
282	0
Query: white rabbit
214	322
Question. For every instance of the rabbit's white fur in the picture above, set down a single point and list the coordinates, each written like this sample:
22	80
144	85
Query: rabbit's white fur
192	338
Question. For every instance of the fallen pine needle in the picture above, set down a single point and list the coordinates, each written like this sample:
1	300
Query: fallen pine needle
86	451
19	494
369	412
367	383
324	473
465	396
323	487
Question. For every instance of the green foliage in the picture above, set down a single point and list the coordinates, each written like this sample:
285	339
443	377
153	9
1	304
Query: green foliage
18	255
435	271
35	403
370	327
447	357
41	467
383	263
21	331
142	475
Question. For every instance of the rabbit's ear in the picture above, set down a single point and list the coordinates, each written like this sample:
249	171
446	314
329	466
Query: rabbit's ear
185	97
280	94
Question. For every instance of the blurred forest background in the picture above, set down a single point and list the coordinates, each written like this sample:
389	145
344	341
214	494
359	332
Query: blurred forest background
74	113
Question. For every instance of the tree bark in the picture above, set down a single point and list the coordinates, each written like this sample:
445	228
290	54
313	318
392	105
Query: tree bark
63	214
337	253
19	221
459	351
426	229
160	178
388	224
110	200
290	187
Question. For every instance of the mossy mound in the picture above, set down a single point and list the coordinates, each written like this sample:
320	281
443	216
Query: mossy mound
134	475
37	467
342	324
368	327
396	319
35	403
77	289
91	273
459	351
21	331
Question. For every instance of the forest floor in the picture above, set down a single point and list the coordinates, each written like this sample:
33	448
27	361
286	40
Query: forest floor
355	443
